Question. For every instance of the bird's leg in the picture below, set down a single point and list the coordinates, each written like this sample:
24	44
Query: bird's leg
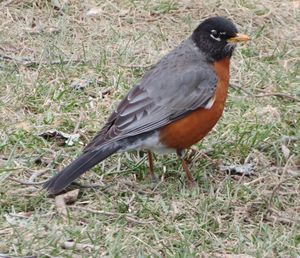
151	167
191	181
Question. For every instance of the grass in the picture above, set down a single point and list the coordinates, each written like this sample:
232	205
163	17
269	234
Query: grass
129	216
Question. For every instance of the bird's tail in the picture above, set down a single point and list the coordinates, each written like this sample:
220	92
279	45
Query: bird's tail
80	165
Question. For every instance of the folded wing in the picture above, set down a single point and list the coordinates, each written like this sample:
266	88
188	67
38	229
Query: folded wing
177	85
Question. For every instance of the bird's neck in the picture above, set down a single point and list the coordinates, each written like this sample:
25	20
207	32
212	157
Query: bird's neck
222	70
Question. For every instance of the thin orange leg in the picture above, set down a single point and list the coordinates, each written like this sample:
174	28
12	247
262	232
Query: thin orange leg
191	182
151	166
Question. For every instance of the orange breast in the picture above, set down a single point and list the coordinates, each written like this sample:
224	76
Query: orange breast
190	129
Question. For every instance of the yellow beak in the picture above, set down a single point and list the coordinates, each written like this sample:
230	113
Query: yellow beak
238	38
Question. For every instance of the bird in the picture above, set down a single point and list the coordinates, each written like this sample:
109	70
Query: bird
174	105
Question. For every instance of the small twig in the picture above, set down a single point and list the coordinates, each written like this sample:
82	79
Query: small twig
157	185
255	181
283	219
106	91
279	95
6	3
284	140
275	94
275	191
37	174
76	246
83	186
282	180
6	231
30	63
129	217
27	190
130	186
153	250
103	187
133	66
26	182
8	256
19	215
81	116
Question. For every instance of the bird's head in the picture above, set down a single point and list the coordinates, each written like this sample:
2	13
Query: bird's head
217	37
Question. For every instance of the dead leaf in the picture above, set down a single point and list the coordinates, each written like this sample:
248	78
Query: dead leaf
81	84
95	11
59	5
285	150
68	139
16	220
296	4
216	255
24	126
245	169
268	114
4	247
2	161
23	191
174	207
53	30
62	200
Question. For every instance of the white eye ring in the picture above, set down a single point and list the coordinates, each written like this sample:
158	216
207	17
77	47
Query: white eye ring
212	35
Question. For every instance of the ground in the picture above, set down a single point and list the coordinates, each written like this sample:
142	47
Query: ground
65	65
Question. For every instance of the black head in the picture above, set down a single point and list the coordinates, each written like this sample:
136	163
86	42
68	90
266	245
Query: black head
216	37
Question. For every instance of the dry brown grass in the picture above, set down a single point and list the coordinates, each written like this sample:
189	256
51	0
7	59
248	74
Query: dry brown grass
52	49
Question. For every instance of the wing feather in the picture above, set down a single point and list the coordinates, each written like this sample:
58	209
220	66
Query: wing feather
177	85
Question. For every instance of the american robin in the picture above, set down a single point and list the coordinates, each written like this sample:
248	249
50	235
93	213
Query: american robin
176	103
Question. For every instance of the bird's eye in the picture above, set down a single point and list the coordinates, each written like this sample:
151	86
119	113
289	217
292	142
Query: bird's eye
215	35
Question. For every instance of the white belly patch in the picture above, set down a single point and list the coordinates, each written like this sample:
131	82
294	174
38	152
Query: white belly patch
151	143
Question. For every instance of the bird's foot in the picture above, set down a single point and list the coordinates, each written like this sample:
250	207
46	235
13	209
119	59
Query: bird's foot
191	184
153	178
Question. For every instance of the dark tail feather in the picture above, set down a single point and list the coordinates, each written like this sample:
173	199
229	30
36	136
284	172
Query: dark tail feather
80	165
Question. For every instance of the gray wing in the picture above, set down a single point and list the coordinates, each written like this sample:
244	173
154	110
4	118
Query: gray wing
174	87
